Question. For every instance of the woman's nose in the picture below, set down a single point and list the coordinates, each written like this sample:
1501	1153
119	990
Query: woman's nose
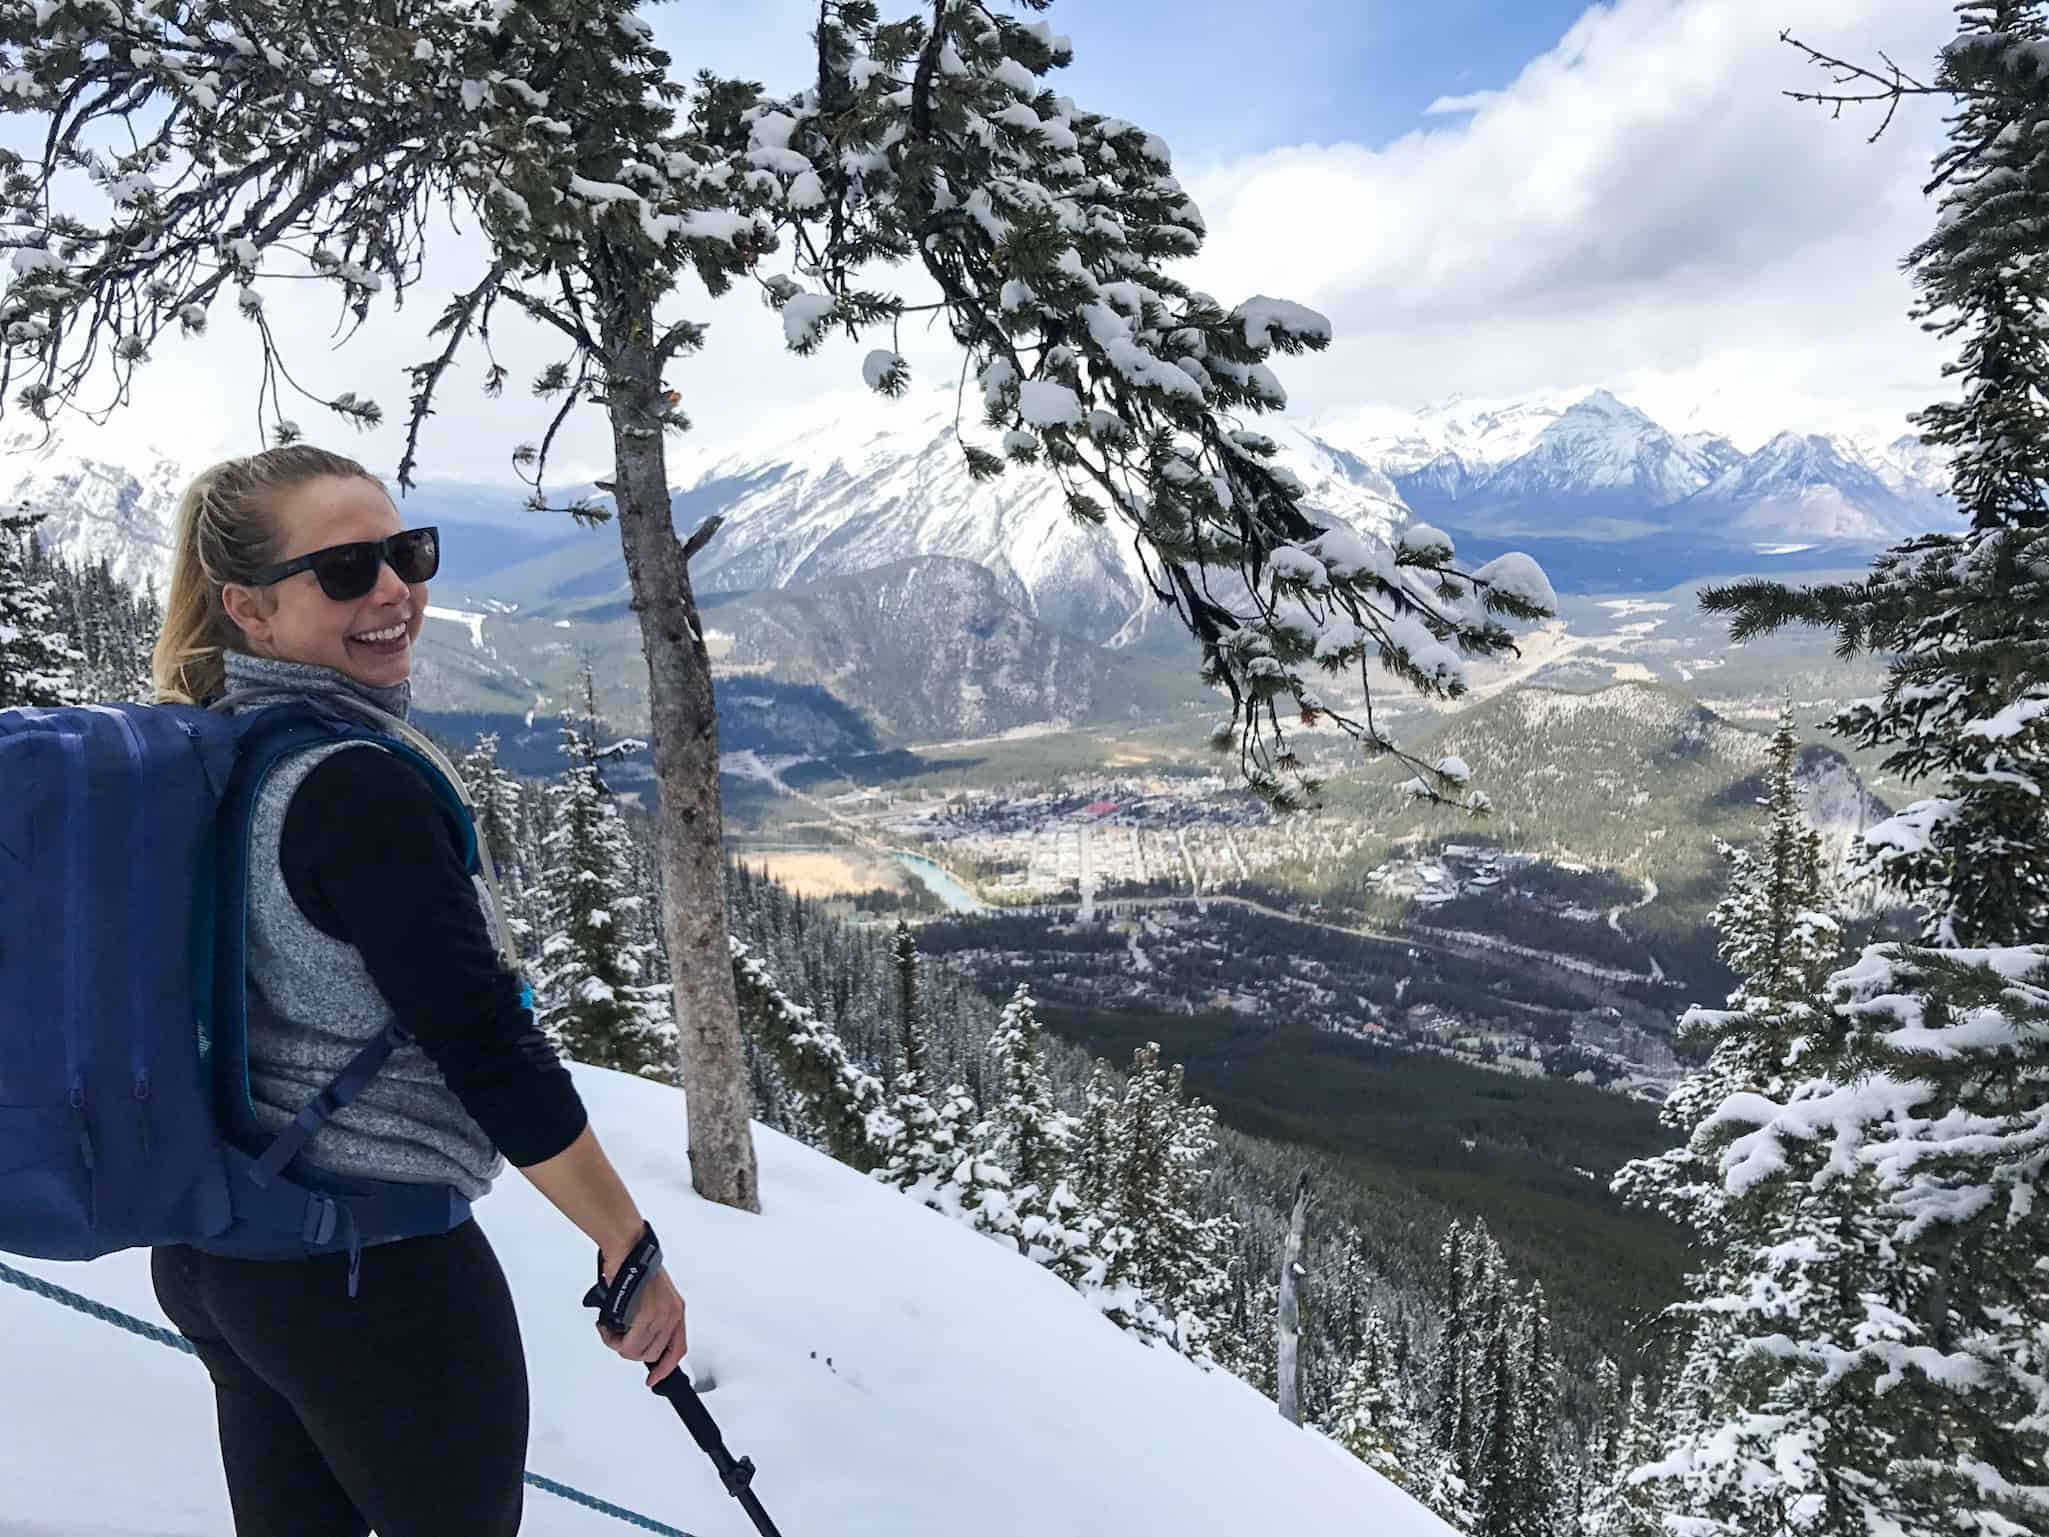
391	587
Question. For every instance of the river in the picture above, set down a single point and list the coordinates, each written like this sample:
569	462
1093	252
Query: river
941	884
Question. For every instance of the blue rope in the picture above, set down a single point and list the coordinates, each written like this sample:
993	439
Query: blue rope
150	1331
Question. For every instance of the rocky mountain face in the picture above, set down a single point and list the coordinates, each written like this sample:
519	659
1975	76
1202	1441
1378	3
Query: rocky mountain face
936	647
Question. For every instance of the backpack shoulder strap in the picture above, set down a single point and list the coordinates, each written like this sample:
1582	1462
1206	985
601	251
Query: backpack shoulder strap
416	747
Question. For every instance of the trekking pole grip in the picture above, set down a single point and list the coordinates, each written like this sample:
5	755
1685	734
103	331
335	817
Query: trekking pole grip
618	1300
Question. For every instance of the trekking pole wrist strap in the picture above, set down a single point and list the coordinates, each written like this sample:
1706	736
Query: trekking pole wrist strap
618	1300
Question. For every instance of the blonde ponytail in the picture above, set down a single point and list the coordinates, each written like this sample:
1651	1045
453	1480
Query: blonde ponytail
226	532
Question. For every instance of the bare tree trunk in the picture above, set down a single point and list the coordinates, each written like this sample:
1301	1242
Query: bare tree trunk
688	827
1289	1331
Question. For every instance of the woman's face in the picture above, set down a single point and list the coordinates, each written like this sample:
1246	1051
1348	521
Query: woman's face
370	638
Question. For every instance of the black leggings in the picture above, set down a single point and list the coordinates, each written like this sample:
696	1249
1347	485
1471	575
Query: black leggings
402	1409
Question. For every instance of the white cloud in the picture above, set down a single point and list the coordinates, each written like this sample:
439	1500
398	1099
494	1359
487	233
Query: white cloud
1472	101
1642	207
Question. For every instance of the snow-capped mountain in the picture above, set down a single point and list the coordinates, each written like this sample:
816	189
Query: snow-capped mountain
103	496
1818	487
862	482
1570	464
1584	443
1609	499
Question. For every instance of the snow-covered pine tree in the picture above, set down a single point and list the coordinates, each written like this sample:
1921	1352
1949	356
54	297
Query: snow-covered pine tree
1097	1154
590	989
1195	1286
1950	1114
1145	1197
111	627
1600	1449
1093	359
846	1104
912	1027
1540	1494
932	1144
1033	1141
1763	1434
1626	1505
1499	1471
496	792
1475	1282
1371	1417
1451	1366
1981	277
37	662
1964	619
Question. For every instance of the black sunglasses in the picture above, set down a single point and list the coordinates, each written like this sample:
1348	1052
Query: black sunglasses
347	571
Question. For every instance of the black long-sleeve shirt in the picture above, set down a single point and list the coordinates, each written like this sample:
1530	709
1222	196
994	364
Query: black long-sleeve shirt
371	859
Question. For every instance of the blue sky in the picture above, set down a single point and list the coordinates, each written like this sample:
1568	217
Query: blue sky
1217	78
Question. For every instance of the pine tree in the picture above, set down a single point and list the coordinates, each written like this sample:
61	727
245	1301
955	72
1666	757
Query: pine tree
496	793
37	662
1763	1438
1144	1197
1371	1418
932	1144
1097	1152
1033	1141
1192	1284
1450	1422
844	1103
1475	1309
1626	1504
1981	277
1539	1489
1964	619
1499	1474
1949	1117
1601	1450
592	995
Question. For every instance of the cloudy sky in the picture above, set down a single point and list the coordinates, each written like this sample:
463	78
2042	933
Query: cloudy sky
1487	197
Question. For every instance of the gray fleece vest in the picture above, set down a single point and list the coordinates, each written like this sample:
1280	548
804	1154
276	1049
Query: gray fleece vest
313	1006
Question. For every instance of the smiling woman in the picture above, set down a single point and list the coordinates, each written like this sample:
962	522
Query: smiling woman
375	961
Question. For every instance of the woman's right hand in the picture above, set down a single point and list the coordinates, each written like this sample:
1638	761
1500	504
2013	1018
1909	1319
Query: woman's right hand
657	1336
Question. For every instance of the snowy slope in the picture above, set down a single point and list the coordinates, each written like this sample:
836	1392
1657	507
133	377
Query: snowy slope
968	1391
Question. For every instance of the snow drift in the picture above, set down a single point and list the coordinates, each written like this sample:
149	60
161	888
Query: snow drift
889	1370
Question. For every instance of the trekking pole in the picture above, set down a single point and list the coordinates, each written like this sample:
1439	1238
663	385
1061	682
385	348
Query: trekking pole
736	1473
616	1304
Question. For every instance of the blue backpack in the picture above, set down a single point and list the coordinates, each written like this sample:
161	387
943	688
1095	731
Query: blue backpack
125	1117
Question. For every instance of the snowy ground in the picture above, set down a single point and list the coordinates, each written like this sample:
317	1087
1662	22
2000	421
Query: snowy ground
890	1371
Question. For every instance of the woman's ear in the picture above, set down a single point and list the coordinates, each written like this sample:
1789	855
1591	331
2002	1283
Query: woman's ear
250	610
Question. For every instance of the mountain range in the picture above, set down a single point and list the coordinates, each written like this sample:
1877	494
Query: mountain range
1606	498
